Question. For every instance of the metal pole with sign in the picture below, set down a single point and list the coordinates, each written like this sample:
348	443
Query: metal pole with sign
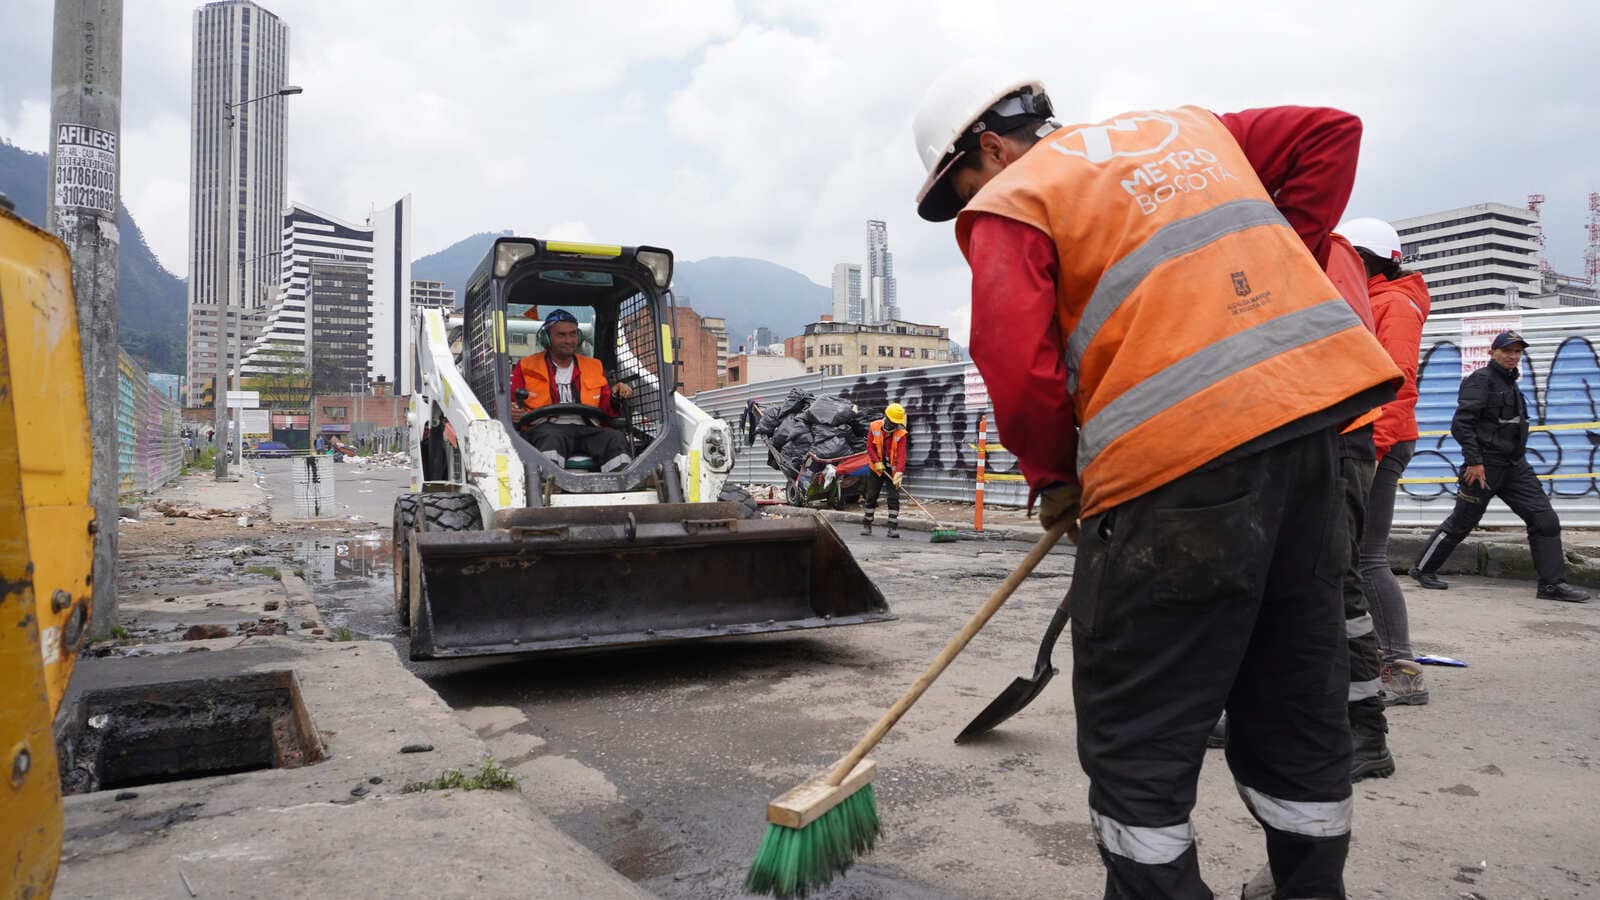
82	209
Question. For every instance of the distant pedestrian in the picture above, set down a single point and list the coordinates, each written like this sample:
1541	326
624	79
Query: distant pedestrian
886	458
1400	306
1491	425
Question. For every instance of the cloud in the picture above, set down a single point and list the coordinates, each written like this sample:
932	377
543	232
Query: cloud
775	128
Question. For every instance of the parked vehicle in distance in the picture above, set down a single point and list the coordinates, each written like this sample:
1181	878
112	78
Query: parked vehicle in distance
269	450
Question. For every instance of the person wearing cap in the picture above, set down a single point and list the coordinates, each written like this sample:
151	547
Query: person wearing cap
559	374
1491	425
886	464
1400	306
1171	367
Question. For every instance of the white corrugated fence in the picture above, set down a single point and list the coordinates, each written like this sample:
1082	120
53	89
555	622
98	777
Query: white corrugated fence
1560	377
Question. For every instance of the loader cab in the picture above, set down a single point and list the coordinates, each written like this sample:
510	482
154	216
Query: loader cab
621	299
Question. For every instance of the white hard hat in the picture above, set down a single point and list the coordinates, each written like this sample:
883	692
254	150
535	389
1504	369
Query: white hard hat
955	107
1373	235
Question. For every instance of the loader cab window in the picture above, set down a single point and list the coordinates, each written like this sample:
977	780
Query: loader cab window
619	322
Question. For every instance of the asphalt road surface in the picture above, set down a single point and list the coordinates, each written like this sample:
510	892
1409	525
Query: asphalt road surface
662	760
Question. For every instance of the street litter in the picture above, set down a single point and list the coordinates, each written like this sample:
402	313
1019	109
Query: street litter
1431	660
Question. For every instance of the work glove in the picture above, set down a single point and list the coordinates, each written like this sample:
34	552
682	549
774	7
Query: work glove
897	477
877	468
1061	501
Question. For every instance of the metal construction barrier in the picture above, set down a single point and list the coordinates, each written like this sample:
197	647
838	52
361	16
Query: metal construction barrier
1560	380
149	431
314	486
943	407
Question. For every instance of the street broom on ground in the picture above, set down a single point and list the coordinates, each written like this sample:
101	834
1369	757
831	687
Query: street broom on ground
816	830
941	533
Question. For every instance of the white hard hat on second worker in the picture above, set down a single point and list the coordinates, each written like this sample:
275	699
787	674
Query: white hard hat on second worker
1374	235
963	102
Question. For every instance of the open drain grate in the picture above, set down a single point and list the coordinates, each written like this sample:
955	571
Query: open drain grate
178	730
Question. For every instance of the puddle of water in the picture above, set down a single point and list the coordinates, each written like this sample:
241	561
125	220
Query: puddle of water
350	581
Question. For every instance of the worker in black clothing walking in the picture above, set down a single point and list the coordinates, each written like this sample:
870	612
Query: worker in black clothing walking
1491	425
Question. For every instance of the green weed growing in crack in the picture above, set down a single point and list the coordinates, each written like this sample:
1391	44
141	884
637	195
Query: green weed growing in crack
491	777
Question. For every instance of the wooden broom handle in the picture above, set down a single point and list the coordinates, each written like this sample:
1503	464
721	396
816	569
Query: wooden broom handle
950	651
919	505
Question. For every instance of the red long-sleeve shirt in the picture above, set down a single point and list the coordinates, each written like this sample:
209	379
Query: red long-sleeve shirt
1306	159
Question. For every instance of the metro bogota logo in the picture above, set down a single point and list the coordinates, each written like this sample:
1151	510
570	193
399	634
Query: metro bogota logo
1140	135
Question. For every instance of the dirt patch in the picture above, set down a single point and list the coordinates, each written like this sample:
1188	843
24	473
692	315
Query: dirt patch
1563	629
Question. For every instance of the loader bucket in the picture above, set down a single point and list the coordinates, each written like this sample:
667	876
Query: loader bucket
623	576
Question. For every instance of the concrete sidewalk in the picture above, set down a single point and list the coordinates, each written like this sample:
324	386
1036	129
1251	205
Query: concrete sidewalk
338	827
341	827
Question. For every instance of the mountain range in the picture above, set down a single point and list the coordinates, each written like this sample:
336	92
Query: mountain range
150	300
749	293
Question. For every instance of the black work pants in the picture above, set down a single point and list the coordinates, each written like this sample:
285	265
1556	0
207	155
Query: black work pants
1218	590
1520	489
557	441
1366	660
877	483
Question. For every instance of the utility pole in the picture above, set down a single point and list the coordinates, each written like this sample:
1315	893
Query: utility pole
227	255
82	209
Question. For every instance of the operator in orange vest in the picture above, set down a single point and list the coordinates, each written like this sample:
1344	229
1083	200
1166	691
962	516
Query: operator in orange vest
560	375
886	458
1172	367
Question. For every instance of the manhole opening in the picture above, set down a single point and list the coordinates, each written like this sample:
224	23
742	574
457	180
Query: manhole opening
177	730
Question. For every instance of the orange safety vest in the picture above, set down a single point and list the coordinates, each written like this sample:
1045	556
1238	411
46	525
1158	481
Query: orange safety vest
875	450
1194	318
590	380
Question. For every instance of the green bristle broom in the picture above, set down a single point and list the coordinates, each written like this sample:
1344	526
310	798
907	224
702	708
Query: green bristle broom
941	534
816	830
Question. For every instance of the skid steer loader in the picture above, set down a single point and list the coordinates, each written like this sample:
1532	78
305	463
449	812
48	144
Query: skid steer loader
501	548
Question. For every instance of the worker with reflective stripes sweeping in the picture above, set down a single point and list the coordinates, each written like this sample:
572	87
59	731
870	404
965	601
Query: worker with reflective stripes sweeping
1358	462
1187	370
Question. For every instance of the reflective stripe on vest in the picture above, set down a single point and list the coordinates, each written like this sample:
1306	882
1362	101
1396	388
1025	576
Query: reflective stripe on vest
1171	242
897	439
589	374
1306	817
1192	317
1142	844
1208	367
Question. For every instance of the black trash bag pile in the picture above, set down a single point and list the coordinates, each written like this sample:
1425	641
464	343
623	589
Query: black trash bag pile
829	427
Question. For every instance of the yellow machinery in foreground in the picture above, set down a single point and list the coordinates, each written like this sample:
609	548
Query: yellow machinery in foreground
46	541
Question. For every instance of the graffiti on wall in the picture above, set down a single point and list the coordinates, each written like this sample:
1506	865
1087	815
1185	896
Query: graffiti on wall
1562	388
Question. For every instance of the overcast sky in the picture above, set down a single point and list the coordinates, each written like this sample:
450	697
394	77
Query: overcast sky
775	128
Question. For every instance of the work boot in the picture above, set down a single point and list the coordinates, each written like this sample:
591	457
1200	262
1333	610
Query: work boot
866	528
893	531
1219	733
1429	580
1563	592
1372	758
1402	684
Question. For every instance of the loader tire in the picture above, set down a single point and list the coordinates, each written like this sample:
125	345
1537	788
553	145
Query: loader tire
736	494
449	512
405	520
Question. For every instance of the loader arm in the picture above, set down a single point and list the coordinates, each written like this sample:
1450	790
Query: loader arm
491	464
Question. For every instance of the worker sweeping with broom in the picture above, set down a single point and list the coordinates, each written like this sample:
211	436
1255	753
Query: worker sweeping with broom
886	460
1186	371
